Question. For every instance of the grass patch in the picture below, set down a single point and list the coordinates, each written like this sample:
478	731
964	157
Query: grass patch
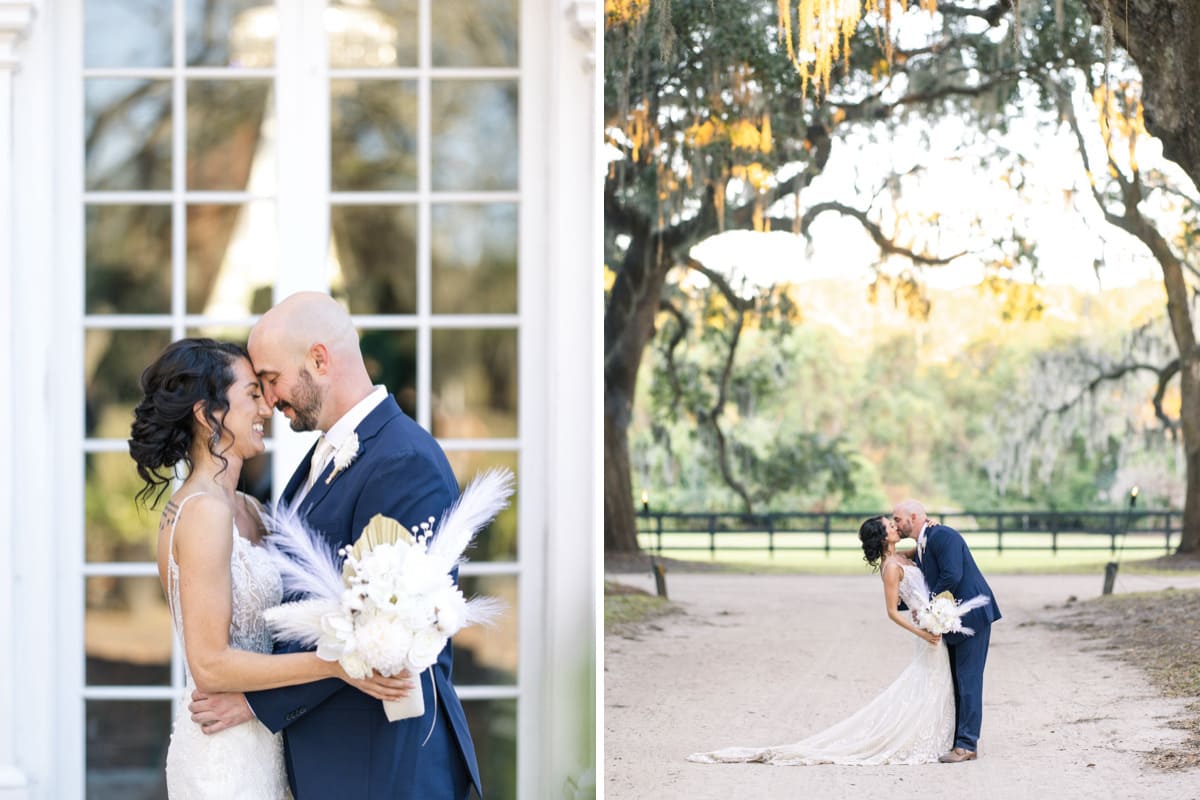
1157	632
627	607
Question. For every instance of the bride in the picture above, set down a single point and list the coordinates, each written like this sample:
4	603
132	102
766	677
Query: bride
203	408
909	722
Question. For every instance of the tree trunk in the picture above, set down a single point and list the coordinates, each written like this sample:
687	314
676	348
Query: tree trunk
1178	311
628	327
1163	39
620	517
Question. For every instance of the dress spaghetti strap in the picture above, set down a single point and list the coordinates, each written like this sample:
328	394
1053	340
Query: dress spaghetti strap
173	570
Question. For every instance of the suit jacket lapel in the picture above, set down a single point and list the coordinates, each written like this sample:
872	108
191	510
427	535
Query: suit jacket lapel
366	430
298	477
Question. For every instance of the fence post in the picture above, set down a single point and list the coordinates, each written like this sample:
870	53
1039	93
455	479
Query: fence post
712	535
828	544
771	535
658	530
999	534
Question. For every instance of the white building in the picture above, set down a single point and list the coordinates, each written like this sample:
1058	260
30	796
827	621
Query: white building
171	167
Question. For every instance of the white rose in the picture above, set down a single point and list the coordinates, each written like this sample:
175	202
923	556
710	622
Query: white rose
426	646
421	575
451	611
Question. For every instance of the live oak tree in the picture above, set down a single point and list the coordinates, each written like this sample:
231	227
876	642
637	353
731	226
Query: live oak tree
709	127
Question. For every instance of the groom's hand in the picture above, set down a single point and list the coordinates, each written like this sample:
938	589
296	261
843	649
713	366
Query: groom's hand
220	710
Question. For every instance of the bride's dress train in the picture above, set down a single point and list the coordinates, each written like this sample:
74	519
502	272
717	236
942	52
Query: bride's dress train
910	722
245	761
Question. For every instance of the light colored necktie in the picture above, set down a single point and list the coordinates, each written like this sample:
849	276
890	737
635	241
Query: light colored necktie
317	465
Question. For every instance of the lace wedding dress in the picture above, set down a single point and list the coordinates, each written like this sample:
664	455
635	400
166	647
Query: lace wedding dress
910	722
245	761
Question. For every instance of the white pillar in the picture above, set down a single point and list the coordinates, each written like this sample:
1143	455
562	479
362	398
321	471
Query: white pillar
15	21
574	434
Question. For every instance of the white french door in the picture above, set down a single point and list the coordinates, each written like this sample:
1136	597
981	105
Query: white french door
235	151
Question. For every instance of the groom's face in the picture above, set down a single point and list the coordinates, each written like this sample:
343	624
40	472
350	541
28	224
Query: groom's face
290	390
905	523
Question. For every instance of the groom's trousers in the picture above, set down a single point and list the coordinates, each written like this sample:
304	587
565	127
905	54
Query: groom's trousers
967	659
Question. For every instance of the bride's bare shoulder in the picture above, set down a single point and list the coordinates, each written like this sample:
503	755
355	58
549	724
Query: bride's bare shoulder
891	569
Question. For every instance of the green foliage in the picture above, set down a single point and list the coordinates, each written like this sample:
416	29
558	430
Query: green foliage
852	420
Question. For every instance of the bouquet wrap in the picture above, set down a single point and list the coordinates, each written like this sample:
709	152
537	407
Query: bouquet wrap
386	603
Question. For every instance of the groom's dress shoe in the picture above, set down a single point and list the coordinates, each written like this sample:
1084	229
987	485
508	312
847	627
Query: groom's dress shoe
956	755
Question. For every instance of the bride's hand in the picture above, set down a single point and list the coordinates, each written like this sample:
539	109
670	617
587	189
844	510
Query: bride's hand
932	638
397	687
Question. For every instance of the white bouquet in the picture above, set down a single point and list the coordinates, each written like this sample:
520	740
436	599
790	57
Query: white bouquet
943	613
390	604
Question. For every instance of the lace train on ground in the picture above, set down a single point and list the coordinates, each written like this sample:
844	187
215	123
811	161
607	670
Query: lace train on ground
910	722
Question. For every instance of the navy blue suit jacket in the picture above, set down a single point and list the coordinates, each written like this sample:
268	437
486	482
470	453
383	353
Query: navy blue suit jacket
947	564
338	741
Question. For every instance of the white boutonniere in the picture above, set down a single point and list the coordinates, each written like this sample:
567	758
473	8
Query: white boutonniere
343	456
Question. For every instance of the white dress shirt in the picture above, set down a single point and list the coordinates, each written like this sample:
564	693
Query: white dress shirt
340	431
921	539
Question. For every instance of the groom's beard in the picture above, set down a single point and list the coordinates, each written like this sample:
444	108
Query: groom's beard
305	405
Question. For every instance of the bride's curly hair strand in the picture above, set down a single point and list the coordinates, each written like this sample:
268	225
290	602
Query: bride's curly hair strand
187	372
873	535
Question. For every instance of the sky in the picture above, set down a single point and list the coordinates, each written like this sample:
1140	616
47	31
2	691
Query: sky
1054	210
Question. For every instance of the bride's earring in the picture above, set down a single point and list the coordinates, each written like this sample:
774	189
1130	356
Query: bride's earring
213	441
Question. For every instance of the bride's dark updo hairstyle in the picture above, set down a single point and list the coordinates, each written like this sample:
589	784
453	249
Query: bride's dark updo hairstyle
188	371
873	535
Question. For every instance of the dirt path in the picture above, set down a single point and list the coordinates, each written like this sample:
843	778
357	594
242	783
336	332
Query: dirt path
759	660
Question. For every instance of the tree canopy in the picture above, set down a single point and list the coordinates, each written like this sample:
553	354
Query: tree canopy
710	127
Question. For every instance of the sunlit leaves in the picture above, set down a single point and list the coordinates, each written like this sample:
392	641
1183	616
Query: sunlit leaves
624	12
817	33
1121	120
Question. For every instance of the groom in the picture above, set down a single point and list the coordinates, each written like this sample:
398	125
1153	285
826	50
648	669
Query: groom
372	459
946	562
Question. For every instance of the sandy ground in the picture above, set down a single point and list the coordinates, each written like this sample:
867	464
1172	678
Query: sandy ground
761	660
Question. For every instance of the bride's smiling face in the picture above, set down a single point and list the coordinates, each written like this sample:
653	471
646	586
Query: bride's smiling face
248	413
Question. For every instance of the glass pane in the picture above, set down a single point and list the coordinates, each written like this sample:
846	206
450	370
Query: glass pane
474	33
391	358
474	259
493	725
256	476
474	135
113	364
127	134
380	33
486	655
224	139
237	33
232	258
127	33
498	541
127	632
376	250
373	129
128	259
117	530
239	334
126	744
474	384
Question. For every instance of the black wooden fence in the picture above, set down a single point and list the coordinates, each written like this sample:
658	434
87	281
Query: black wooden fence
997	531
